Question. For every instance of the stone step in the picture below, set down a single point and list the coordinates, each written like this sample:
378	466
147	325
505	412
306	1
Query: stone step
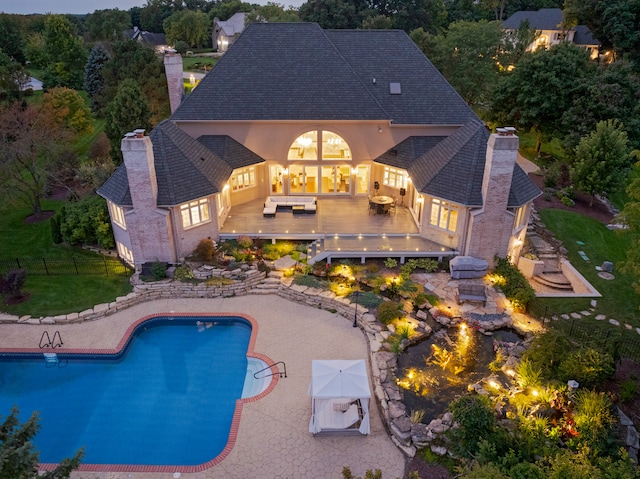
553	280
272	279
275	286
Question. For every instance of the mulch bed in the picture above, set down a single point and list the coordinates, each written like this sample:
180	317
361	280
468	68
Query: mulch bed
598	211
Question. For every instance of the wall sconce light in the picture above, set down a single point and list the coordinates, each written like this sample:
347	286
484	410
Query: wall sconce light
286	171
379	129
226	186
354	171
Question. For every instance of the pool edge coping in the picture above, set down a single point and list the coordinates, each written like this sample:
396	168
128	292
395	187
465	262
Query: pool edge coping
237	413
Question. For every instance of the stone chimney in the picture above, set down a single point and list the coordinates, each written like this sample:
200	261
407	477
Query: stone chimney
147	225
491	226
173	70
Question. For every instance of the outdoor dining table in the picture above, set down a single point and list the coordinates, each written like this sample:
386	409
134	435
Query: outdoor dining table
382	203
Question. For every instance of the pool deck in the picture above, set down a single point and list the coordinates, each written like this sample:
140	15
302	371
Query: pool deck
273	439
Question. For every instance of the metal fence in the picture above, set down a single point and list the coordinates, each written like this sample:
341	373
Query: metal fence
619	341
105	266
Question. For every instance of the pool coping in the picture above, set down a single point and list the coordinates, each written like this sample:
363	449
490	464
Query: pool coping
119	349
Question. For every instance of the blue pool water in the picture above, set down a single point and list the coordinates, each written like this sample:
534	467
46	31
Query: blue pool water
168	399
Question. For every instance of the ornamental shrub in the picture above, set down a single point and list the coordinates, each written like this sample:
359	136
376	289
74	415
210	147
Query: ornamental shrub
515	286
388	311
205	251
476	420
87	222
587	366
183	273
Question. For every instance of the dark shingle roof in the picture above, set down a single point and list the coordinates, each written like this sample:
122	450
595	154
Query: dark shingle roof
297	71
116	188
230	151
452	168
185	168
543	19
583	36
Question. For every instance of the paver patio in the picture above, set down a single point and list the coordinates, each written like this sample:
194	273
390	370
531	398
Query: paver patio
273	440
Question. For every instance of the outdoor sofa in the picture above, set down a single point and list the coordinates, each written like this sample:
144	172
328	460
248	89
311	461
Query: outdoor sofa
273	203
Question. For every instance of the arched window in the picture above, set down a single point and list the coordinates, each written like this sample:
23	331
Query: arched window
331	147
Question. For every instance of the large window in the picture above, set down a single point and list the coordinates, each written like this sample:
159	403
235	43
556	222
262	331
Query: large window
243	178
308	147
520	218
125	253
444	215
394	177
194	213
117	215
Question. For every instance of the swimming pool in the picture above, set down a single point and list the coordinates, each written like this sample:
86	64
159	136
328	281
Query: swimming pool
168	398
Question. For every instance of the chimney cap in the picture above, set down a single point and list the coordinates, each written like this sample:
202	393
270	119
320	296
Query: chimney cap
129	135
139	133
506	131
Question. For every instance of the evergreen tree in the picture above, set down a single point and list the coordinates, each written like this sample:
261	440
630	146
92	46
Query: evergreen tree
128	111
93	80
602	159
19	457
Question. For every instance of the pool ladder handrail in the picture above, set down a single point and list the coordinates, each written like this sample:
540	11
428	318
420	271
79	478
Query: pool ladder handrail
47	342
282	374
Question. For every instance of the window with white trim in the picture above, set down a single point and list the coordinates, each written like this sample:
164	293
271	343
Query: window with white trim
194	213
243	178
394	177
444	215
520	218
125	253
117	215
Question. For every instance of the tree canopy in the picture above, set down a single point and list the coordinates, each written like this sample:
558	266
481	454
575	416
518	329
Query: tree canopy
542	85
188	26
107	24
64	54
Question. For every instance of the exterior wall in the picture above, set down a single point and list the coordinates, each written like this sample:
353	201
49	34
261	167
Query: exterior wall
148	226
449	239
490	228
173	70
187	239
271	140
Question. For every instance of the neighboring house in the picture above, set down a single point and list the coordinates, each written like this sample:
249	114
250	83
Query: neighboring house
547	23
225	32
157	41
336	114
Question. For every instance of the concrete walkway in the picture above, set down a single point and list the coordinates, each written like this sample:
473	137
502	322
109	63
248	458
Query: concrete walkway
273	440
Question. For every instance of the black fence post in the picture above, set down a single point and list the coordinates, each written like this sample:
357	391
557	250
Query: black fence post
18	263
106	269
44	262
75	265
573	321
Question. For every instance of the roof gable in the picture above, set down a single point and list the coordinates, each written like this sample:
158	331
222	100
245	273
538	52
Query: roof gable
297	71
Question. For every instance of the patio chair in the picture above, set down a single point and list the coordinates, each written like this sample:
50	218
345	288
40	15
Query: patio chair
391	209
373	208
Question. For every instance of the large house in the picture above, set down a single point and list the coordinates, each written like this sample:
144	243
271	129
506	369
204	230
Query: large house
225	32
550	30
329	118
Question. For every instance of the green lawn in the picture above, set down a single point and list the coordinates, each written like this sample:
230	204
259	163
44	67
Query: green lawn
551	148
197	64
620	301
52	294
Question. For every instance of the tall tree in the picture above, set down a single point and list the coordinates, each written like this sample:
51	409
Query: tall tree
64	53
31	139
188	26
466	55
542	85
20	458
602	160
93	80
107	24
12	40
330	13
428	14
129	59
69	108
127	112
612	93
155	12
13	77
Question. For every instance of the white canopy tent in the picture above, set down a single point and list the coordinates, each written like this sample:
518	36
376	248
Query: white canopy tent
340	397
